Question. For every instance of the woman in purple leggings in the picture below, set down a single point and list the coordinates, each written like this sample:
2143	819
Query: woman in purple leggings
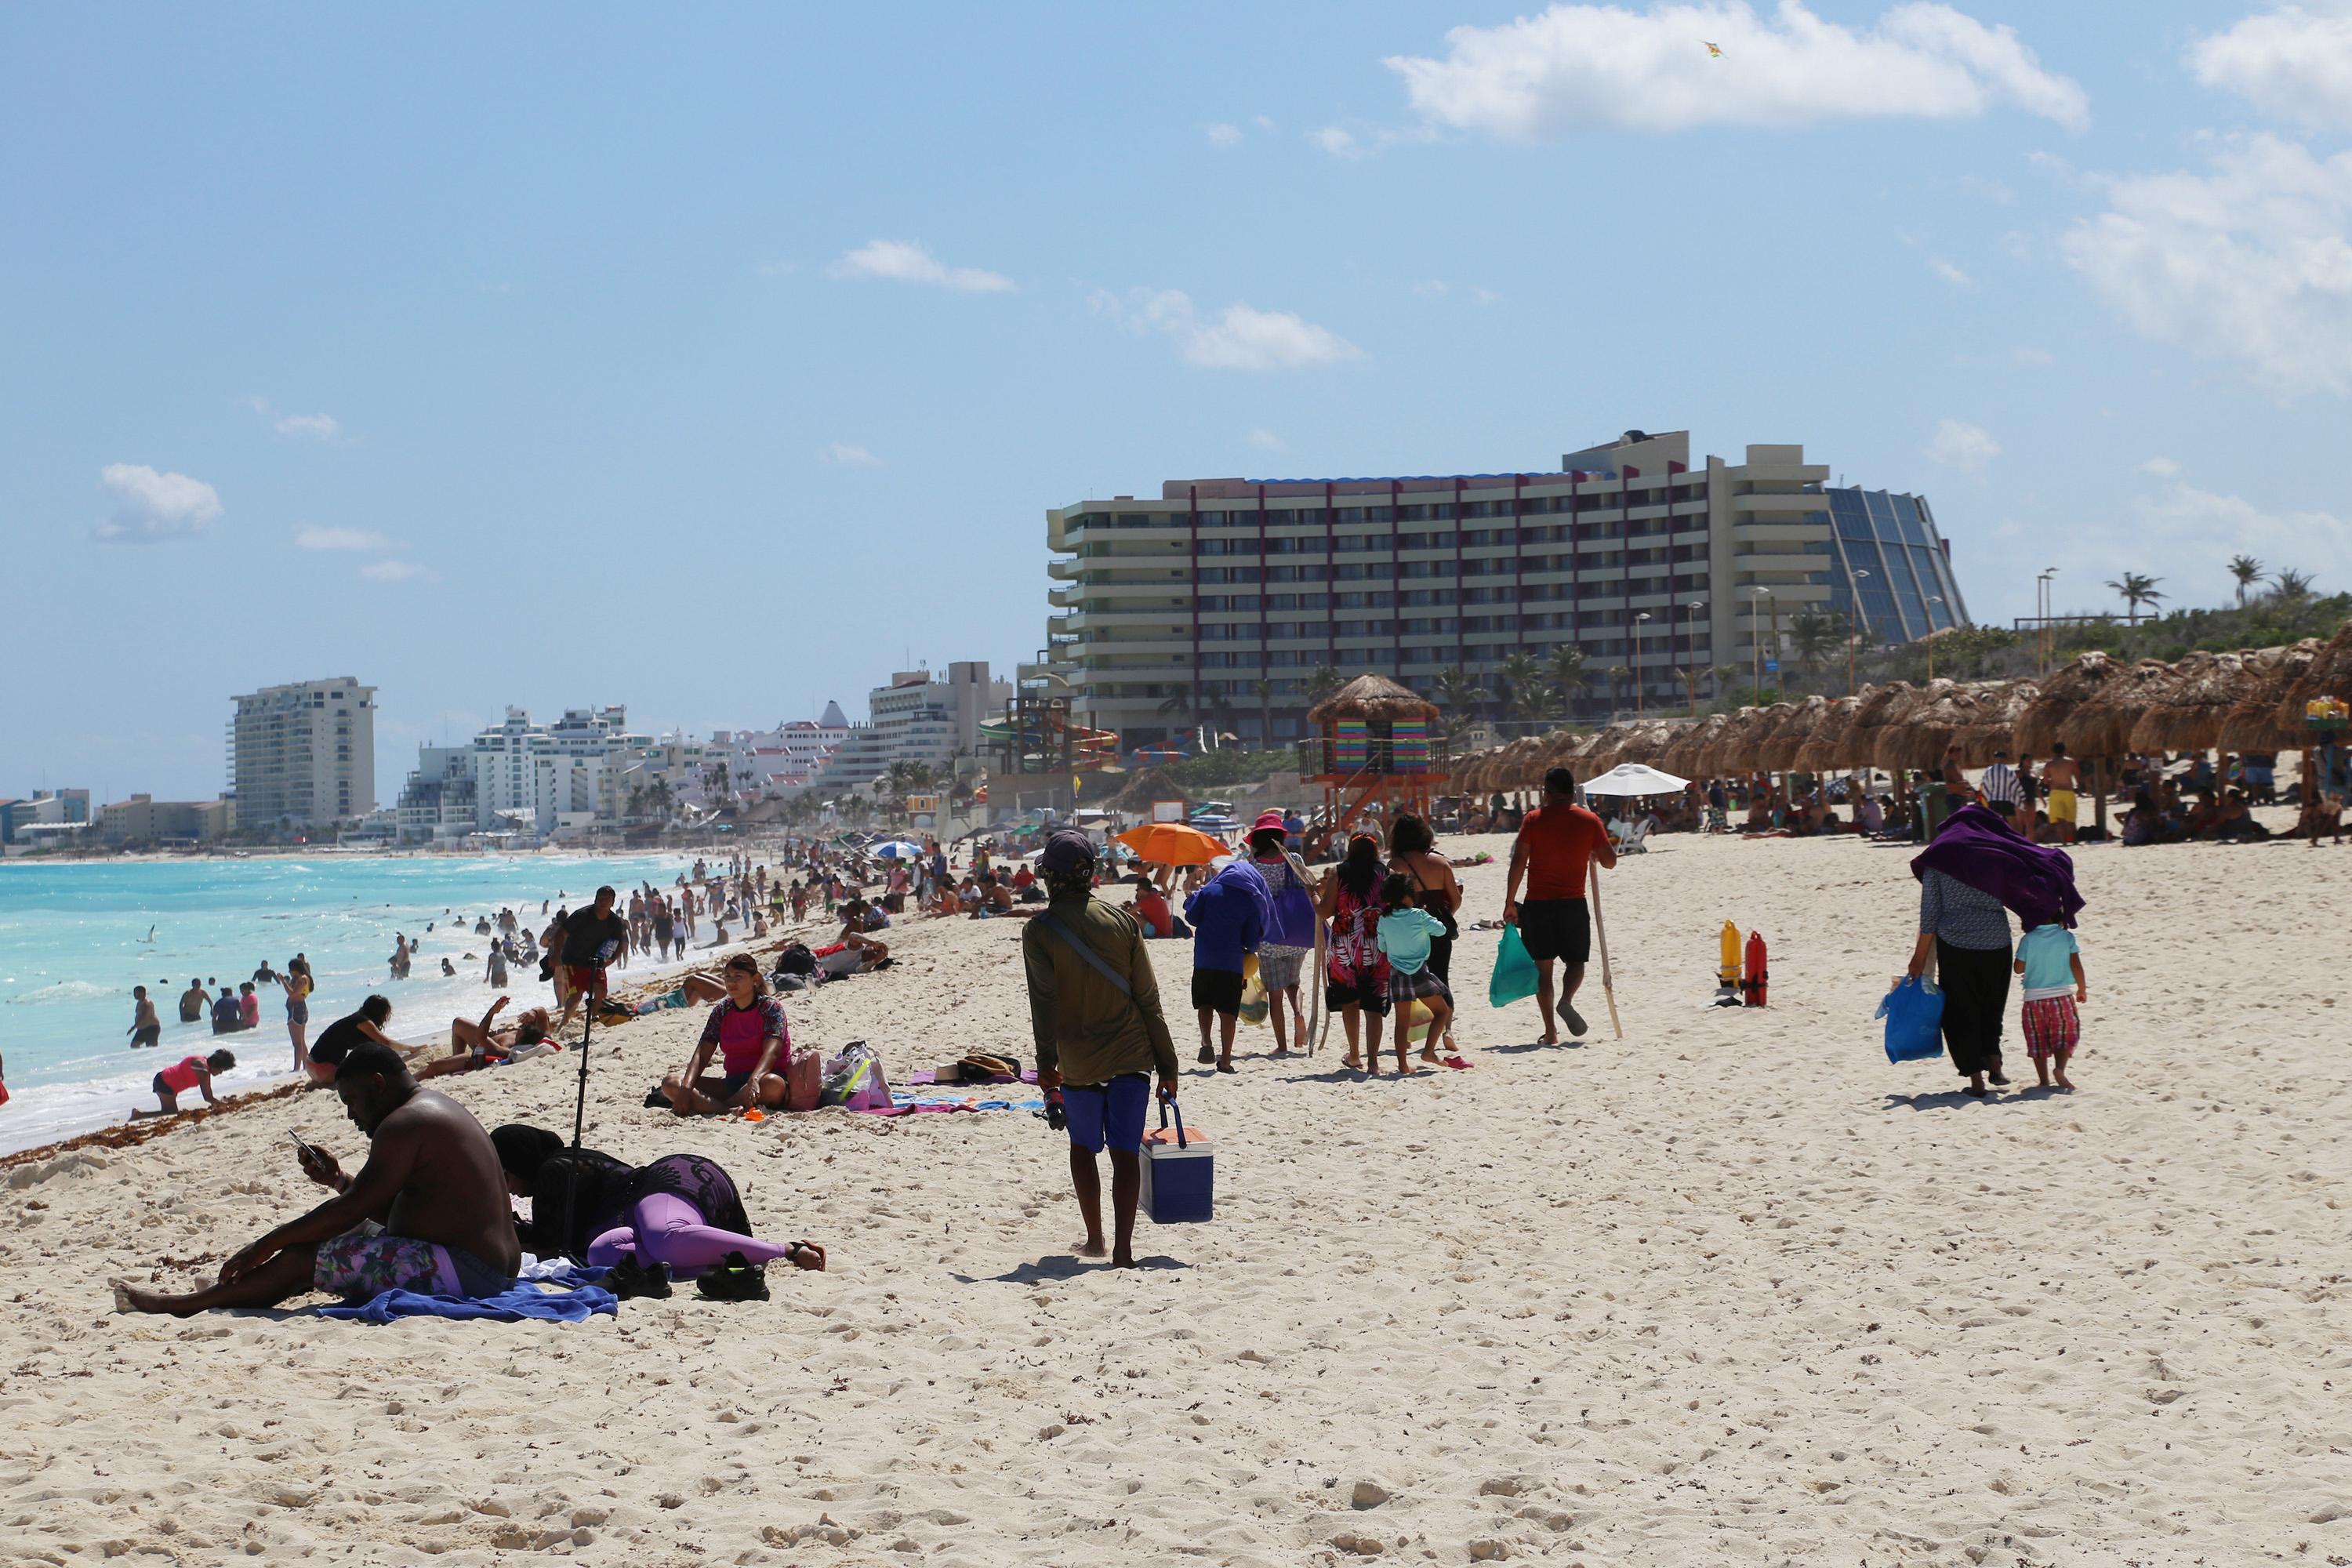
681	1211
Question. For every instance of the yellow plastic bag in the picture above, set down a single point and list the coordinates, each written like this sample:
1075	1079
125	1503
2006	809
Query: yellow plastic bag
1254	997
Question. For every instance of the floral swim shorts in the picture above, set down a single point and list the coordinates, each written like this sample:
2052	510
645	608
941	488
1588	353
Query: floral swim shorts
361	1267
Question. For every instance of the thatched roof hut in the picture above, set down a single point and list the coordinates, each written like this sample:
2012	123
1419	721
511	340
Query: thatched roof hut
1879	707
2190	708
1685	755
1733	750
2256	724
1373	698
1142	788
1999	708
2068	688
1928	728
1744	752
2103	726
2329	674
1818	754
1778	753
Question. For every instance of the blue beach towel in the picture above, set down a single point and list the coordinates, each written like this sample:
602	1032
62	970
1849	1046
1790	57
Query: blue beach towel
525	1300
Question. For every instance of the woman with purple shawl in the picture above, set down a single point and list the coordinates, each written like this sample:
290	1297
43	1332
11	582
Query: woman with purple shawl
1977	870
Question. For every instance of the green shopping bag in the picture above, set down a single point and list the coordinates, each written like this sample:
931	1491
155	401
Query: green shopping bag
1514	972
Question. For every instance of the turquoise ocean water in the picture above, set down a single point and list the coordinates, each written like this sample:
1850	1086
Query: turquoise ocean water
75	938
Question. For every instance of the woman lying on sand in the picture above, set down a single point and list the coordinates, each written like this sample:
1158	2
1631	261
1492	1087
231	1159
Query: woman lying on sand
671	1219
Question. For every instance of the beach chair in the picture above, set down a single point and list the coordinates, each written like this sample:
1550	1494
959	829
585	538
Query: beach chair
1630	842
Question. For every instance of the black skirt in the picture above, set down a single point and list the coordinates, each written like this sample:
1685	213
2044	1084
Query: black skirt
1975	1001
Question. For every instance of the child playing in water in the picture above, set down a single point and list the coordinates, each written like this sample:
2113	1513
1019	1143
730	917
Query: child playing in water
2053	967
1403	936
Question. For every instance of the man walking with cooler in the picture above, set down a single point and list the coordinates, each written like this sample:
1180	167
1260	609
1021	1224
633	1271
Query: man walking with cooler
1556	842
1093	1011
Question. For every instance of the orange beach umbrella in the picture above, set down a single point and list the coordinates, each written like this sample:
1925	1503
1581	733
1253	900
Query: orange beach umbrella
1172	844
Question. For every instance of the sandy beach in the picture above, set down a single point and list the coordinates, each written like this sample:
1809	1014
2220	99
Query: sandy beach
1728	1290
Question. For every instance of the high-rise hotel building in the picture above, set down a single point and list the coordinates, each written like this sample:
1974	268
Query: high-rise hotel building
303	753
1652	567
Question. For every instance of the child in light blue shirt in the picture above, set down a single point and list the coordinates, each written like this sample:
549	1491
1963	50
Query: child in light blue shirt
2052	965
1403	936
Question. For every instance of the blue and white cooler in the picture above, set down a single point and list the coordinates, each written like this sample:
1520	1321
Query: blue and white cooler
1179	1173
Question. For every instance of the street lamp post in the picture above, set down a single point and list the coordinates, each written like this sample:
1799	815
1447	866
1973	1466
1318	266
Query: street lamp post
1637	661
2044	597
1853	595
1764	594
1690	650
1932	599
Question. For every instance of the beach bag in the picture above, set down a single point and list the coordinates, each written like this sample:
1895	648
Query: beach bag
854	1079
1514	972
1913	1011
796	960
1254	997
804	1080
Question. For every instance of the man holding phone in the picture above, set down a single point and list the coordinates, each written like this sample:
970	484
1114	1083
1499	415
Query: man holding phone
427	1213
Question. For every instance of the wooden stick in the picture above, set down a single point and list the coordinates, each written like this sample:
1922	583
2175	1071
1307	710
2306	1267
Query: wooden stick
1601	935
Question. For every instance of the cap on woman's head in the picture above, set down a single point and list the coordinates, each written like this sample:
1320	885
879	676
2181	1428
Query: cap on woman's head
1267	819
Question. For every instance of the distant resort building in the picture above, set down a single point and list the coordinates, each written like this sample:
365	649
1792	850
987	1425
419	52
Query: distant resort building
918	718
303	753
1215	601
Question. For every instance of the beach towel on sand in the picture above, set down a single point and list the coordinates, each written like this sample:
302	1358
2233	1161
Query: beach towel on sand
525	1300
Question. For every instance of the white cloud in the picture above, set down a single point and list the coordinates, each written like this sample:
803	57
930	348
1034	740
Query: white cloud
1337	143
311	536
909	263
1968	448
2162	468
1267	441
843	452
2250	265
1262	123
2294	63
150	506
391	571
1237	338
1222	135
1991	190
1949	273
2189	535
1483	296
1586	68
321	425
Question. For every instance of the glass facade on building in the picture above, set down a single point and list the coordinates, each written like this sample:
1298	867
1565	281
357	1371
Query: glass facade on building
1886	548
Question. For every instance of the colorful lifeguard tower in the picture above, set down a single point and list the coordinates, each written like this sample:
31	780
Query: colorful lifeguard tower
1377	751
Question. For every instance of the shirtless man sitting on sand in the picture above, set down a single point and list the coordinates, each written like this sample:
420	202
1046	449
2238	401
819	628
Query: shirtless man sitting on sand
432	1182
473	1045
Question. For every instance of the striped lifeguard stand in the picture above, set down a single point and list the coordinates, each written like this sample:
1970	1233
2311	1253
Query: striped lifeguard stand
1377	751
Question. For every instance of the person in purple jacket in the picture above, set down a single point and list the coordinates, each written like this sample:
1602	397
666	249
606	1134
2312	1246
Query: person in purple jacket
1230	913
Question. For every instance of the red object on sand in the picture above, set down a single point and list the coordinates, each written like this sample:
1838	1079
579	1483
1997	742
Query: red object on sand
1752	983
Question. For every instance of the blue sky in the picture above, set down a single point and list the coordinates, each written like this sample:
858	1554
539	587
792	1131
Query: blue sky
718	361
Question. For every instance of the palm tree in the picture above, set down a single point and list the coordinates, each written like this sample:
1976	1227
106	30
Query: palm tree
2136	590
1459	692
1324	685
1815	637
1264	689
1617	674
1534	699
1517	674
2248	572
2293	585
1180	709
1569	676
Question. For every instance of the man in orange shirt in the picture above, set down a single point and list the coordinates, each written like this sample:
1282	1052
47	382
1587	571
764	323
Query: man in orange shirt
1556	842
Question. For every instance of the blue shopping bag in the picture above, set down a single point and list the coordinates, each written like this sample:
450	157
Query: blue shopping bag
1913	1011
1514	972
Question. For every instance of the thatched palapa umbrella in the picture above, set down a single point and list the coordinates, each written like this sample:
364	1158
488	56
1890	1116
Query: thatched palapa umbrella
2103	726
1686	753
1999	708
1928	728
2068	688
1777	753
1880	707
2253	724
2190	709
2329	674
1819	753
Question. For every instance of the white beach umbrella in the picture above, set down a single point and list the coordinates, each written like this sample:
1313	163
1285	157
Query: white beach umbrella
1634	778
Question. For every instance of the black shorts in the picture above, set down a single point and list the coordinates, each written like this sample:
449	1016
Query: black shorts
1218	990
1556	928
1373	999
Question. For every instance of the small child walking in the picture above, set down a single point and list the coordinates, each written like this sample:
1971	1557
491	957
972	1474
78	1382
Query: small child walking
2052	965
1403	935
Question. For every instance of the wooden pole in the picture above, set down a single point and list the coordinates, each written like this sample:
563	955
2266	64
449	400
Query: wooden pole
1600	936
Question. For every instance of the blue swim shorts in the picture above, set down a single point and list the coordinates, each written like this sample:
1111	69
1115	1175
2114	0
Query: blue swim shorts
1109	1114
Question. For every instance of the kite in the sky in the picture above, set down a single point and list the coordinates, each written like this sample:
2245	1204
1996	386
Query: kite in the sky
1712	52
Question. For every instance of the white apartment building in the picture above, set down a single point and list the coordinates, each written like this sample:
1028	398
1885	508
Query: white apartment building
548	780
918	718
1647	564
781	762
303	753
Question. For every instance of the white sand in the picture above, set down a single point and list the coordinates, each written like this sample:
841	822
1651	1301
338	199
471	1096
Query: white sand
1721	1292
